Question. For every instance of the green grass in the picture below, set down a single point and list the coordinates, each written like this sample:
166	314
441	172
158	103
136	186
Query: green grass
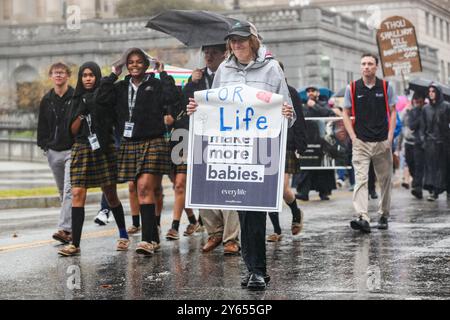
16	193
40	192
23	135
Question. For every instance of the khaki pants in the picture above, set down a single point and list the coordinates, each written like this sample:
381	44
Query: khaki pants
381	155
221	223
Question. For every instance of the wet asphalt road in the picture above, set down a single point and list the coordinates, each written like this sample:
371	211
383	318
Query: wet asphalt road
327	261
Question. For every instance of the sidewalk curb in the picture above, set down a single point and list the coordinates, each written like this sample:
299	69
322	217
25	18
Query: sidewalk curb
92	198
51	201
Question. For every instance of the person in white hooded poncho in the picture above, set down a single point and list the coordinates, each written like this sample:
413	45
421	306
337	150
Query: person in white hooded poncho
250	64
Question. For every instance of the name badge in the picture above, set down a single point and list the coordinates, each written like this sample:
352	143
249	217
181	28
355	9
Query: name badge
95	145
128	132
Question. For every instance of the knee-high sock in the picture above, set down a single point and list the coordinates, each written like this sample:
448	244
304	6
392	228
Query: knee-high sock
295	211
136	221
119	216
149	225
77	225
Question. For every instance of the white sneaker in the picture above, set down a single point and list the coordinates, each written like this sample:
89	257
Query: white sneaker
111	217
102	217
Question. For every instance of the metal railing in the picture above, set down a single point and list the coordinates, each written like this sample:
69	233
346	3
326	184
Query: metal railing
16	148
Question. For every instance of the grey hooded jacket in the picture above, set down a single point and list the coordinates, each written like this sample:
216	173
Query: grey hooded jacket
264	73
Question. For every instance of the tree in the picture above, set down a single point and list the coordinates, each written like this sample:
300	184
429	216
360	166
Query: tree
29	95
148	8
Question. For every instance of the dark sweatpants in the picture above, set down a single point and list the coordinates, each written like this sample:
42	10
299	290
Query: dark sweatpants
253	240
419	165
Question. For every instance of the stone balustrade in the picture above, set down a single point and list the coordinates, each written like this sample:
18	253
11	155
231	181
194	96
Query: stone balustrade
264	19
18	121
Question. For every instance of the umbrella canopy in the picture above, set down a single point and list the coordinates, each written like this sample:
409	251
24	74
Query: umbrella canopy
123	59
402	103
421	85
193	28
180	75
325	93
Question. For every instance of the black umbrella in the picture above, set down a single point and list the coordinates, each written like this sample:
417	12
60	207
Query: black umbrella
193	28
421	85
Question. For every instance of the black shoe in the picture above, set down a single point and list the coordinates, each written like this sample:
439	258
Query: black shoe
374	195
256	282
246	278
417	194
433	197
405	185
383	223
324	197
361	225
302	197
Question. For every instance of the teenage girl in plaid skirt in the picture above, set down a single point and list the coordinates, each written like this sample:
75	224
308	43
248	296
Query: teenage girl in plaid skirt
139	103
93	156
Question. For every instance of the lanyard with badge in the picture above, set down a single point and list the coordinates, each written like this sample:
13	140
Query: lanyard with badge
129	126
93	140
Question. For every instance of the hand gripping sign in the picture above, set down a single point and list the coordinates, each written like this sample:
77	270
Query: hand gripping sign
237	147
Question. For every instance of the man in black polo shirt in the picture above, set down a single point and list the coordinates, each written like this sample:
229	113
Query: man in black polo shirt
372	102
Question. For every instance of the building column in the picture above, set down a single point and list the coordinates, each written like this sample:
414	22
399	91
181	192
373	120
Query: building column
19	11
53	10
87	9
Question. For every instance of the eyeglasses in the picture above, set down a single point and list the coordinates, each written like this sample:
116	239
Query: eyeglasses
59	73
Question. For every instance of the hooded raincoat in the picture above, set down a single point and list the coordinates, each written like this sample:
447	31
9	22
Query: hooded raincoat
435	135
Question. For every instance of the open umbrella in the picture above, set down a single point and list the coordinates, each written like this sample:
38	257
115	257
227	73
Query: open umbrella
325	94
192	27
180	75
421	85
402	103
123	59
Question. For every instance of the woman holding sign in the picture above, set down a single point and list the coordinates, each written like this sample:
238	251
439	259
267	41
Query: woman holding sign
249	63
93	156
139	102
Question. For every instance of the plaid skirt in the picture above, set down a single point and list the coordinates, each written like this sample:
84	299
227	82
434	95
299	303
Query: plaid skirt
292	163
181	167
92	169
145	156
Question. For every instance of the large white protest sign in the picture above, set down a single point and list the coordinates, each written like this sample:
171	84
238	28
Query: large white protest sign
238	111
237	145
